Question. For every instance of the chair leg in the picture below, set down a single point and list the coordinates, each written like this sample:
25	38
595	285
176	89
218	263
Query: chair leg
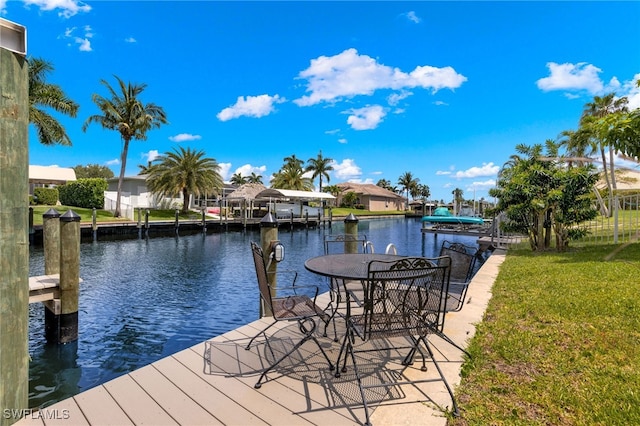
351	352
446	384
262	332
308	336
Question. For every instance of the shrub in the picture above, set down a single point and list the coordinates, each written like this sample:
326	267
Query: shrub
87	193
46	196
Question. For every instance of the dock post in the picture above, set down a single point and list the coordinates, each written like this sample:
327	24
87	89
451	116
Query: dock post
306	219
269	236
177	224
31	230
204	220
51	241
146	223
14	235
139	222
69	276
291	210
330	217
351	228
94	224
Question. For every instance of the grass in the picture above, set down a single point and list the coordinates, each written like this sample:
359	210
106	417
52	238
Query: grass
86	215
560	341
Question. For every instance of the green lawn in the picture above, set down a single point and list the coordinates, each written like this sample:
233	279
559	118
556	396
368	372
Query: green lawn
86	215
560	341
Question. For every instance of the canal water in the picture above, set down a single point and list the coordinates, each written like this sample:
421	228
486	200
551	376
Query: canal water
145	299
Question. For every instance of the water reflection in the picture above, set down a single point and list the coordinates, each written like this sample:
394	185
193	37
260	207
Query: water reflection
145	299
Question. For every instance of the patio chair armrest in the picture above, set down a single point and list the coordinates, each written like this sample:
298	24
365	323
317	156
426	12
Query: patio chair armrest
296	288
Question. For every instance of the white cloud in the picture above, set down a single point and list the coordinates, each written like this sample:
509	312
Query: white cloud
130	40
342	140
83	41
3	4
581	76
113	162
247	169
346	170
487	169
182	137
482	186
150	156
413	17
632	92
68	8
251	106
366	118
332	132
443	173
349	74
440	103
394	98
224	171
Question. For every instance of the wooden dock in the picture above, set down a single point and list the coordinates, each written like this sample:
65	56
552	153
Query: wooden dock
44	288
212	382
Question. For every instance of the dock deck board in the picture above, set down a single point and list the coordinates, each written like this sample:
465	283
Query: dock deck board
213	382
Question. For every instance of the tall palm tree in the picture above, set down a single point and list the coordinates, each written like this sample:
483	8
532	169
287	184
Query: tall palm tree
43	94
254	178
320	166
407	182
127	114
291	176
293	161
594	111
184	171
237	179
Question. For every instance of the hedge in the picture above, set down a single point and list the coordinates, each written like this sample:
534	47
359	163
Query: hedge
46	196
87	193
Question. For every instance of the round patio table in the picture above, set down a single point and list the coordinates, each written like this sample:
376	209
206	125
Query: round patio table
346	266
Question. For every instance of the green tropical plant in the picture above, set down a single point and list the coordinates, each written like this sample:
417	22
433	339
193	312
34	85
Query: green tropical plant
126	113
407	182
320	166
186	172
291	176
238	179
93	171
538	193
47	95
254	178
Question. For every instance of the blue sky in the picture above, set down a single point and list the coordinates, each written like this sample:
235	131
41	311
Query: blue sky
444	90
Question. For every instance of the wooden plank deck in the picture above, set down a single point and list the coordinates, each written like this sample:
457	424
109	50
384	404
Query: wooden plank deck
44	287
213	382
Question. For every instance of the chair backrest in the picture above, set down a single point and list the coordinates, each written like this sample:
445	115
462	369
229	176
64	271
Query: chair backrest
345	243
405	297
463	260
262	276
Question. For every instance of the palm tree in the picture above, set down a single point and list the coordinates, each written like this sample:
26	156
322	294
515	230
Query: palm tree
237	179
597	110
125	113
334	190
43	94
291	177
184	171
386	184
320	166
254	178
293	160
407	182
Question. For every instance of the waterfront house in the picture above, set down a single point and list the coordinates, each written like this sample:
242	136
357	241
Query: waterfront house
372	197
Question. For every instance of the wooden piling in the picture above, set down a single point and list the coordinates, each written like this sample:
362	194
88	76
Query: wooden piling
351	228
51	241
14	233
69	276
269	234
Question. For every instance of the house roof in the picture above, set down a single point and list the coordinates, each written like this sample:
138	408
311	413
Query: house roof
291	193
368	189
625	180
247	191
51	174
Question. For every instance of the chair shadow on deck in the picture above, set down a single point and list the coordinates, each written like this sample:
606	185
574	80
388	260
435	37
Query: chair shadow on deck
316	384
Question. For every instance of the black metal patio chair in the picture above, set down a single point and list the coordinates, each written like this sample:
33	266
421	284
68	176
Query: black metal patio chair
403	299
292	307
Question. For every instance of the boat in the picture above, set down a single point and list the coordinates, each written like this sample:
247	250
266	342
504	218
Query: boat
442	215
